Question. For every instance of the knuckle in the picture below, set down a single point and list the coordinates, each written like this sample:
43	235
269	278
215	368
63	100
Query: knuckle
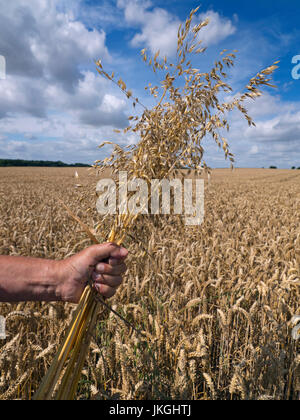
103	268
111	245
106	269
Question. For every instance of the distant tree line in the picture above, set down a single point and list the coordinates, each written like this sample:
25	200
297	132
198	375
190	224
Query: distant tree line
275	167
40	163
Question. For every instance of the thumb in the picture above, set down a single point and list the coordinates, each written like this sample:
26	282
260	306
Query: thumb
105	251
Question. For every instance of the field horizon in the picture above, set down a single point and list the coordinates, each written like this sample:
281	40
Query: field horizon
214	302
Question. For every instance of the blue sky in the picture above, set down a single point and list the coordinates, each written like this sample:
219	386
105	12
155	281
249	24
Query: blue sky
54	106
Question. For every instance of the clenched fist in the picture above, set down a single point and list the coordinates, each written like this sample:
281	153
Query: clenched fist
103	264
34	279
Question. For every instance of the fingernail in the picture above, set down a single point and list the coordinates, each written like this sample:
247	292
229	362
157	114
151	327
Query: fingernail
101	268
96	277
123	252
98	287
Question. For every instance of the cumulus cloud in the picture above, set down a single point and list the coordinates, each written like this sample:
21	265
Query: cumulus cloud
58	138
274	141
159	27
39	42
218	29
254	150
21	95
283	128
277	121
46	50
54	107
92	103
109	113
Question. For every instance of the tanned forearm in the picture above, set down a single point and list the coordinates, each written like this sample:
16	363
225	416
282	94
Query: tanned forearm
40	280
28	279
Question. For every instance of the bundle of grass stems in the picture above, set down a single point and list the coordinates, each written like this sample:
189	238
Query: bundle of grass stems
75	345
171	135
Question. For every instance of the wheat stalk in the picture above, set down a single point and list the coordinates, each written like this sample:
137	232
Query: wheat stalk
171	136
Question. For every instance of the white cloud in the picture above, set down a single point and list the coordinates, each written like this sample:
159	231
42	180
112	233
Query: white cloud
20	95
274	141
38	41
59	138
54	107
159	27
283	128
218	29
47	93
94	102
254	150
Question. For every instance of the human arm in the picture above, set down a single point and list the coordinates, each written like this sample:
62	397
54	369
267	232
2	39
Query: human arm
34	279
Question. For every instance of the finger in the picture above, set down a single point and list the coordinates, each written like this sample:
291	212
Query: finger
105	290
101	252
116	270
112	281
115	261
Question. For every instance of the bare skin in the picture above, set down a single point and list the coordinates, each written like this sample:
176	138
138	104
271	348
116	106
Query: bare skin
38	280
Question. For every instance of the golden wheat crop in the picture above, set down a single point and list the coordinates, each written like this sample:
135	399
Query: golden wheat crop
214	302
170	136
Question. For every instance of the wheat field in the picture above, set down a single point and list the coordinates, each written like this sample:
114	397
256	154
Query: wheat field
213	303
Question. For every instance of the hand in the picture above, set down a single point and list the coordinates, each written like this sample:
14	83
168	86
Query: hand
89	265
